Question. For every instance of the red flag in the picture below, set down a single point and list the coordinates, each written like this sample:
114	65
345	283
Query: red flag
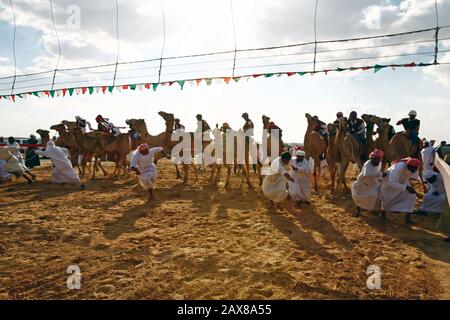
83	90
200	80
147	85
227	79
13	97
103	89
171	83
257	75
125	86
291	73
366	68
412	64
64	91
46	93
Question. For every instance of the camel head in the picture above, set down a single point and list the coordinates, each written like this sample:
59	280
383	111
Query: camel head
44	134
168	118
265	120
61	128
69	124
368	118
343	125
311	121
332	128
138	125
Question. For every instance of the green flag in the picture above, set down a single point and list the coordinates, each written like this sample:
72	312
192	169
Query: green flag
70	91
52	93
208	81
377	68
237	79
91	90
268	75
181	83
301	73
154	86
132	86
35	93
110	88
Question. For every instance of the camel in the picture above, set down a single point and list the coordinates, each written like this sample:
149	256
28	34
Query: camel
67	140
45	136
369	120
348	150
229	137
331	154
382	141
315	145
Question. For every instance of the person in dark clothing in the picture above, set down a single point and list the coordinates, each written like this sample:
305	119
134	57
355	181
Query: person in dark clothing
177	125
439	149
411	126
321	127
339	115
357	128
82	123
31	158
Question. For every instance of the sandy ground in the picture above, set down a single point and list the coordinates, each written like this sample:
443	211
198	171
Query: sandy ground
205	242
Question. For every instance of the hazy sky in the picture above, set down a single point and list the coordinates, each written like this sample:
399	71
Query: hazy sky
204	26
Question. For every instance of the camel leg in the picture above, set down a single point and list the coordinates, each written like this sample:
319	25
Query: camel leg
99	163
196	173
93	171
343	170
332	176
186	173
247	178
211	177
178	172
315	176
219	170
227	184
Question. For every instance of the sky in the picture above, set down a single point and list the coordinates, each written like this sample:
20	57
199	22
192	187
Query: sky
87	33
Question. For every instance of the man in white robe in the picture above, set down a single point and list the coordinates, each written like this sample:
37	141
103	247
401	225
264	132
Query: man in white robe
427	157
435	198
366	188
63	171
15	150
142	163
274	183
11	165
4	175
397	194
301	171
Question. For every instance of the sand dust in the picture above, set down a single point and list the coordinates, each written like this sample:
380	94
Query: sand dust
205	242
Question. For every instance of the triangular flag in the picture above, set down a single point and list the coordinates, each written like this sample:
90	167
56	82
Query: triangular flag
147	85
110	88
140	87
132	87
119	88
64	91
46	93
289	74
181	83
155	85
412	64
91	90
70	91
326	71
171	83
97	89
104	88
236	79
36	93
58	93
301	73
279	75
257	75
208	81
198	81
125	87
191	82
77	91
366	68
19	95
13	98
377	68
226	79
339	69
84	90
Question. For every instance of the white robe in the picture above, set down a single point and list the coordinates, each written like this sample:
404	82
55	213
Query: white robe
11	164
274	183
16	152
366	189
428	159
146	167
63	171
301	188
4	175
394	197
432	203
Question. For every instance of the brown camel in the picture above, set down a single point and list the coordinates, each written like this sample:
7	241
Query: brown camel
45	136
315	145
66	140
348	150
332	155
369	120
